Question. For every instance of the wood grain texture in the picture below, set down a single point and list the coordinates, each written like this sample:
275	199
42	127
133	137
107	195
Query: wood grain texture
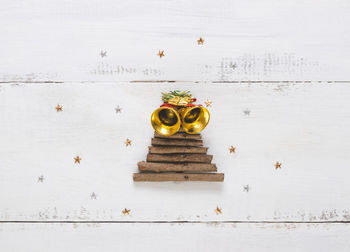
179	135
166	167
180	158
176	142
176	149
169	176
256	40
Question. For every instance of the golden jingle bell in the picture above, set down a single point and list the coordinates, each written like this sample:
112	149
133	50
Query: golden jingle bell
166	120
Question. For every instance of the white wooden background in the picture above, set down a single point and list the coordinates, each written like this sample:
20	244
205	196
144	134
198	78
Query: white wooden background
286	62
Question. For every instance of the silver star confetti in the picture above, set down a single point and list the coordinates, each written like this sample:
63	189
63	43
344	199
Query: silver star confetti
246	188
118	109
233	66
246	112
93	196
41	179
103	53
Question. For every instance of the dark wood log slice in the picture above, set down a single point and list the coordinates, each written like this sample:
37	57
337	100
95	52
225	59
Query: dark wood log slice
179	158
176	142
179	135
176	149
178	167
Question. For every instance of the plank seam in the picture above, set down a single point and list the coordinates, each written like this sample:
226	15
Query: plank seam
179	81
174	222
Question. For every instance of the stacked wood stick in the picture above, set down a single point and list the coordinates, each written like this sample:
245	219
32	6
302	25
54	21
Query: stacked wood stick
180	157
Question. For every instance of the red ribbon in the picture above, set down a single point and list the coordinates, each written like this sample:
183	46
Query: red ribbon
167	105
173	106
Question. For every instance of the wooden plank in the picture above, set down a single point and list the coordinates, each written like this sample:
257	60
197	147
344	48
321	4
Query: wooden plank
174	237
176	149
166	167
287	123
164	177
179	135
180	158
176	142
237	49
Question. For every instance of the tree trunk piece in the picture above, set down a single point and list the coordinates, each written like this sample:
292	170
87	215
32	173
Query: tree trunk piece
163	177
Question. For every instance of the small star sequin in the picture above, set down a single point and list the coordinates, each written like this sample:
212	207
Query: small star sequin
77	159
41	179
208	103
246	188
118	109
246	112
127	142
218	210
232	149
278	165
126	211
103	53
93	196
161	53
200	41
59	108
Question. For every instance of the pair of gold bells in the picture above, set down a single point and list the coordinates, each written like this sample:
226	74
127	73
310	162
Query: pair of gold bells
168	120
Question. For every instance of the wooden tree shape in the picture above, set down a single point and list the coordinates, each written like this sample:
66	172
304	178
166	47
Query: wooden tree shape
180	157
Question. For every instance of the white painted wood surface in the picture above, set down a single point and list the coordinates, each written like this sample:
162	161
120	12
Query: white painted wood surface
303	126
266	40
277	73
175	237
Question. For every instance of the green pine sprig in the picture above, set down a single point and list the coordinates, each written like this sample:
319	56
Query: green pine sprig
167	96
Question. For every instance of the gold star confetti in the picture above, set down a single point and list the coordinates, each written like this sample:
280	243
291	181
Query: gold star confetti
232	149
200	41
278	165
218	210
208	103
77	159
59	108
127	142
126	211
161	53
